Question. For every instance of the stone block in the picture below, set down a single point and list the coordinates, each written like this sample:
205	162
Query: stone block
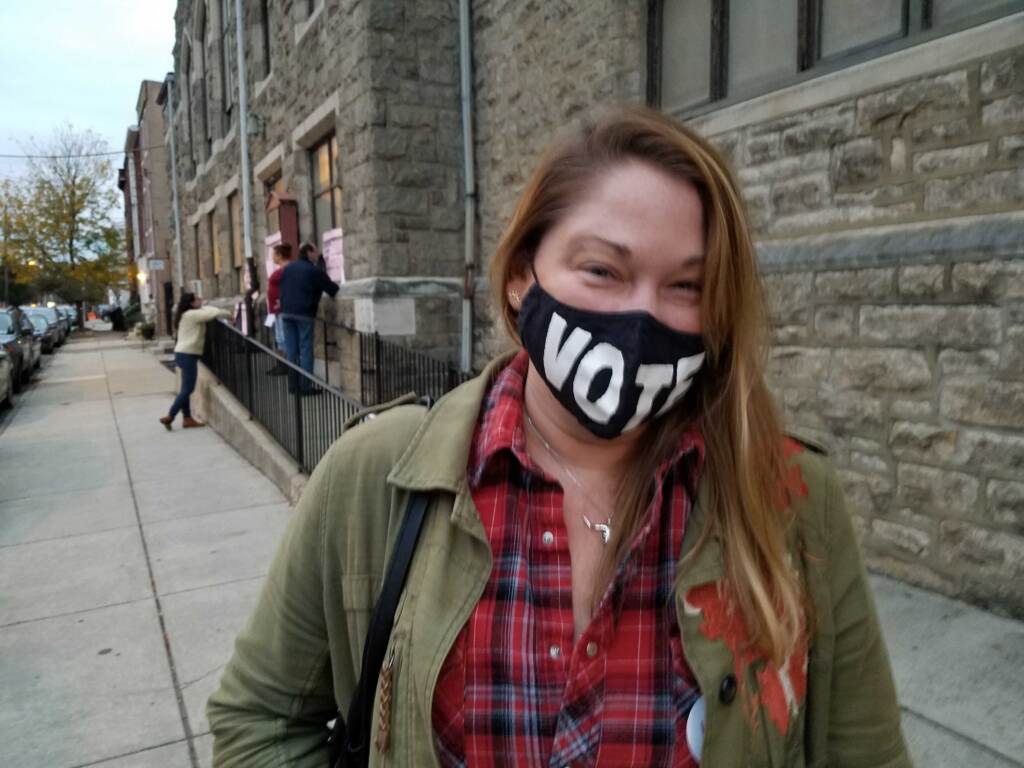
1013	350
788	296
835	322
893	370
1005	503
759	205
800	195
911	409
922	281
951	159
984	401
402	200
1002	73
991	452
898	156
731	146
866	494
962	193
861	161
989	280
789	334
863	444
956	362
763	148
847	412
1001	597
854	284
1010	149
916	98
986	552
866	462
1003	112
785	168
915	441
903	538
798	365
936	492
820	130
940	132
922	324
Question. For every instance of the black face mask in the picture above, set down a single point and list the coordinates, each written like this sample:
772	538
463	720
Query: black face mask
612	370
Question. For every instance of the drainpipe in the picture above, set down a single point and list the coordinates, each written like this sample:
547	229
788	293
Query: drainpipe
469	177
169	108
244	180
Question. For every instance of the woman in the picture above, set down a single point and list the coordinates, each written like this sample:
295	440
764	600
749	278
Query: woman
625	561
190	318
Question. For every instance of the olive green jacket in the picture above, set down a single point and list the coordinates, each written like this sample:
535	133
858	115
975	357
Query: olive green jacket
297	660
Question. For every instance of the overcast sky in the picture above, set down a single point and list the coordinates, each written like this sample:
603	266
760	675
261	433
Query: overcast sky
79	61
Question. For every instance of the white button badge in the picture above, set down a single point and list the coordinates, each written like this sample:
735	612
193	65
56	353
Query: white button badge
695	729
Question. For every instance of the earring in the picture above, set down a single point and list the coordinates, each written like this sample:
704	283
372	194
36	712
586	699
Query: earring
514	297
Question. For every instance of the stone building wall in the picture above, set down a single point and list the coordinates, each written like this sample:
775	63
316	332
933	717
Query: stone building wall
537	68
383	77
890	236
889	230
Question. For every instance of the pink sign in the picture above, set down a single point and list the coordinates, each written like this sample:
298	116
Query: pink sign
334	254
269	242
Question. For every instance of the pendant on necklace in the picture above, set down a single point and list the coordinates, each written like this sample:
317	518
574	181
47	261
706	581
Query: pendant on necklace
604	530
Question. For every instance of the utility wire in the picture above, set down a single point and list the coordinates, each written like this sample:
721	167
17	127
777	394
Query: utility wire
85	154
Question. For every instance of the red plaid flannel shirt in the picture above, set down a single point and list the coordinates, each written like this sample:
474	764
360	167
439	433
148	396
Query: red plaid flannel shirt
516	689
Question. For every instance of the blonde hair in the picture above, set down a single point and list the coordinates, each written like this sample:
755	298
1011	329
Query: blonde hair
730	401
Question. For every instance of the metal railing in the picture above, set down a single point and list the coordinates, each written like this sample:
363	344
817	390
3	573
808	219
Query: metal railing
386	370
304	414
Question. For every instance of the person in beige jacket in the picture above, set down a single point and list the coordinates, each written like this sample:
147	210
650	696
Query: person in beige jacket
190	318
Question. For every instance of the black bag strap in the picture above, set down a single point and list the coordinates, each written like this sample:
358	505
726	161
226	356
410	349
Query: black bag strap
350	739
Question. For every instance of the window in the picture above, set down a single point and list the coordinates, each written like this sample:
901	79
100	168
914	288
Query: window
325	188
265	28
211	229
226	86
235	220
271	185
707	51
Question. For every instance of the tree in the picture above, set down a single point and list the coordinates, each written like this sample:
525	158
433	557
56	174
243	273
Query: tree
58	220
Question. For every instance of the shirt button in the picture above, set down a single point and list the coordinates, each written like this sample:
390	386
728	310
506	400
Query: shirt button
554	651
727	691
591	649
548	538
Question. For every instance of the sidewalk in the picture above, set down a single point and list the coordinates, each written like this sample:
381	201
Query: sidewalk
130	557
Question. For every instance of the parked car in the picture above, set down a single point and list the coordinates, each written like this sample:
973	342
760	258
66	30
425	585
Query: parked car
6	380
36	346
17	345
72	312
46	331
51	314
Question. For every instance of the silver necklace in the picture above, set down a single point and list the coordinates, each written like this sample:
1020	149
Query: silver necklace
605	528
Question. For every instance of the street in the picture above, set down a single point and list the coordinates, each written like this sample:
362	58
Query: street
130	557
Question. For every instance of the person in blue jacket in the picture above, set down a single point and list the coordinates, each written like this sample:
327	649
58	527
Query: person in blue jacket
302	285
